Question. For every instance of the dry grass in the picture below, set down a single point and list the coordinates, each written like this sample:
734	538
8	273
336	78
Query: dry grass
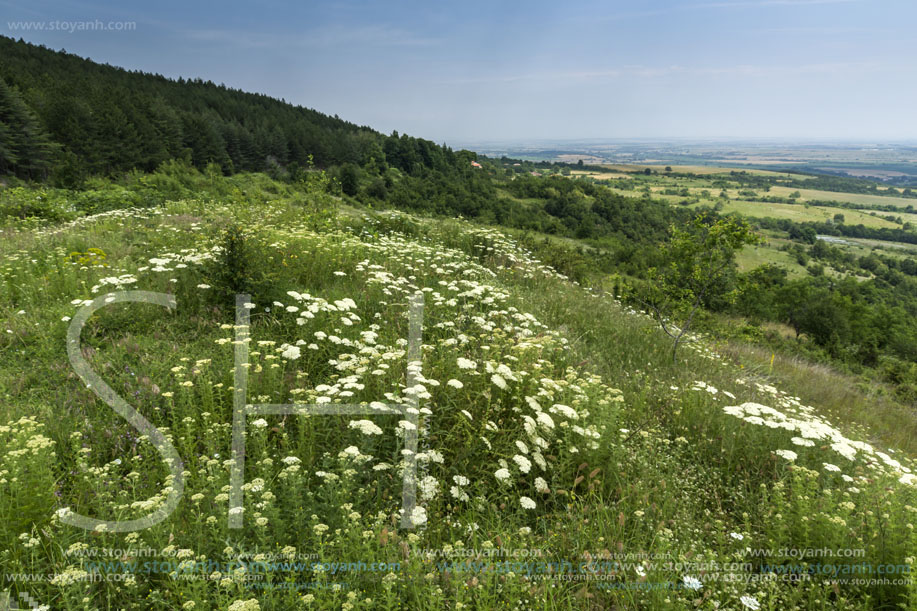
598	175
868	406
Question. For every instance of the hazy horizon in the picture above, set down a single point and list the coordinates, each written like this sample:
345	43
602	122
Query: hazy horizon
788	141
781	70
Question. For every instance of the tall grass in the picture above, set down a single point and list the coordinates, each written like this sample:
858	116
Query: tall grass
558	430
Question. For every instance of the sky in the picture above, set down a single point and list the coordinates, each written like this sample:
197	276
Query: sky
469	71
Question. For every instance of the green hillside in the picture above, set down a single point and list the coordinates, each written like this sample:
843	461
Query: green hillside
112	120
452	381
552	421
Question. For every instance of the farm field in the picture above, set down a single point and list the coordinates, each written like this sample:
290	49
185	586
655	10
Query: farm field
800	213
853	198
598	175
752	257
893	162
702	170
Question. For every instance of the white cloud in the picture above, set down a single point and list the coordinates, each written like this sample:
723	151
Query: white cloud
671	70
324	37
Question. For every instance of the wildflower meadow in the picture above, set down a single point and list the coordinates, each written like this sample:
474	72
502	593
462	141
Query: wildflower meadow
536	448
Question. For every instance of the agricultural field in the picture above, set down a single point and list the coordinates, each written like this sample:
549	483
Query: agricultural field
597	175
852	198
700	170
701	192
723	190
801	213
891	163
768	253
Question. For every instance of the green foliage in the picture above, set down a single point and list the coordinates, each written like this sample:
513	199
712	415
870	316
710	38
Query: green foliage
240	267
39	204
109	121
25	148
350	179
698	271
670	474
27	479
232	270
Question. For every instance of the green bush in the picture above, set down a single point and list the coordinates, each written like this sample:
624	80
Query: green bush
46	204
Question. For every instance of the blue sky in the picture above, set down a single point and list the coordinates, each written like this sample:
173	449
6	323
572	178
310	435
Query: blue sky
480	71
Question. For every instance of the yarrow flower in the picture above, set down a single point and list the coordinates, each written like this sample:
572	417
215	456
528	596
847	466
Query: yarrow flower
429	487
541	485
525	465
545	421
367	427
418	516
290	352
527	503
464	363
750	602
564	410
691	583
787	454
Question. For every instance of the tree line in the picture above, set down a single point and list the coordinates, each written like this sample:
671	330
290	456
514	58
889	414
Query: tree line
65	117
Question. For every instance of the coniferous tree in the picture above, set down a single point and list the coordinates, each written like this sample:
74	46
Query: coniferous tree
25	148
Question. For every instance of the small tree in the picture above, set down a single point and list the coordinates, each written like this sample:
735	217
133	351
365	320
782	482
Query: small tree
697	271
350	179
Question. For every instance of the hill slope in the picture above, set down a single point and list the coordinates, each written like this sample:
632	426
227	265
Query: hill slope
107	120
564	462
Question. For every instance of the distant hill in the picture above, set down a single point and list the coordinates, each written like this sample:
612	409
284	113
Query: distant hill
63	111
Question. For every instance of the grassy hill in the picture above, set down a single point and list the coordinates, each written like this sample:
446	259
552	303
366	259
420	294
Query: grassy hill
564	461
537	446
